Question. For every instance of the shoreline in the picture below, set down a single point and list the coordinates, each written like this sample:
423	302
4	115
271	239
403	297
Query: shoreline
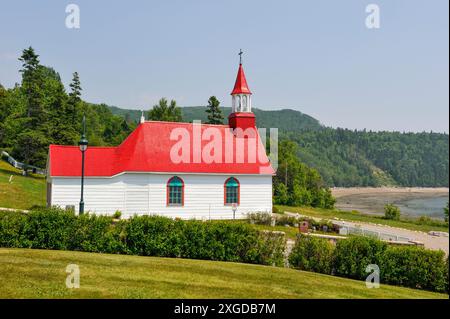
410	200
345	191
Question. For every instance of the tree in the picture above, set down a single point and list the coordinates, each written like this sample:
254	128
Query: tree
214	112
391	212
74	96
446	213
164	112
31	84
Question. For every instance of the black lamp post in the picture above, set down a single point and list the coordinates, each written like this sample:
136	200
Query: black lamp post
83	144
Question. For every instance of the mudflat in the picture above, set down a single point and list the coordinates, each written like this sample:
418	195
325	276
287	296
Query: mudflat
413	201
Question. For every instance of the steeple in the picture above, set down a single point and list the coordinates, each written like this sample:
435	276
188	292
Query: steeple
241	107
241	95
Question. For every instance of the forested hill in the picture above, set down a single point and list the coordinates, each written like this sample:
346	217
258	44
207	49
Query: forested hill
285	120
360	158
351	158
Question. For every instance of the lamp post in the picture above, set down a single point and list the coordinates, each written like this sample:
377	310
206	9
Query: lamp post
83	144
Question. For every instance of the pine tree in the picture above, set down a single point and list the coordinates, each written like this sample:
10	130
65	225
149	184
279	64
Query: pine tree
31	84
74	96
214	112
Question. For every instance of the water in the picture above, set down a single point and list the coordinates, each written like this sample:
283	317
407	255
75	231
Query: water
432	207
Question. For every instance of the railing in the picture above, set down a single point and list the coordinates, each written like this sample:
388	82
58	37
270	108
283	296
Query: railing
22	166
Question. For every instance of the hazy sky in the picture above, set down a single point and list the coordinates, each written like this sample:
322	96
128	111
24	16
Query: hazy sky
317	57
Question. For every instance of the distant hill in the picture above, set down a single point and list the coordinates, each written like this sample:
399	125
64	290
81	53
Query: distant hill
285	120
348	157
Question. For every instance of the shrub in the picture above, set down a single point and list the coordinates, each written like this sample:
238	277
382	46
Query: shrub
11	230
276	210
312	254
117	214
153	236
56	228
270	247
260	218
414	267
286	220
49	228
391	212
355	253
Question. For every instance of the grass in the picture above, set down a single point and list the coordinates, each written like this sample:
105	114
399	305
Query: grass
412	224
27	273
23	191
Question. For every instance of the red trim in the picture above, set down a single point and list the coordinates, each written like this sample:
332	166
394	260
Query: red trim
182	192
225	192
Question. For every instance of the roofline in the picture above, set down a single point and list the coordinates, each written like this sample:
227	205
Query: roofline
167	173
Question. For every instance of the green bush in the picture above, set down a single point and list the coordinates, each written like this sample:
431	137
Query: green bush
117	214
391	212
312	254
49	228
270	248
11	230
414	267
260	218
286	220
355	253
55	228
276	210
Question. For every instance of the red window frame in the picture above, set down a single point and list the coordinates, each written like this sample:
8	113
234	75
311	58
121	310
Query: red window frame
168	192
225	192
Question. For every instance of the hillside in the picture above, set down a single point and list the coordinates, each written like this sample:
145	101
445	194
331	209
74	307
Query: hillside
17	191
360	158
27	273
285	120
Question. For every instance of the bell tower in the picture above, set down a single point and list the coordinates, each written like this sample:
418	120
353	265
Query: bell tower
241	98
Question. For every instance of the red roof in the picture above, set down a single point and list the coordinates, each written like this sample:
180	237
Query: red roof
241	87
148	149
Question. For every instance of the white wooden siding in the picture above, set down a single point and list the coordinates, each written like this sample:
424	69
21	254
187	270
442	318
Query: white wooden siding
145	193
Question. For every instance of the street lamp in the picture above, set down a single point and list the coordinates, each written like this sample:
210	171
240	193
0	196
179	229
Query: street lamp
83	144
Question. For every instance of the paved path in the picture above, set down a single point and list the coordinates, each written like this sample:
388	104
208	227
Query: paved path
429	241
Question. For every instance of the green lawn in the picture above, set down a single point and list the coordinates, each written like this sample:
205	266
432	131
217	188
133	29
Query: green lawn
26	273
22	192
412	224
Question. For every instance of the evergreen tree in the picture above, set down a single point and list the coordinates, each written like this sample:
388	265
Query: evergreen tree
215	115
74	96
164	112
31	84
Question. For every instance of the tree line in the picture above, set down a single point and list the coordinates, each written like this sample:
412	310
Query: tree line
363	158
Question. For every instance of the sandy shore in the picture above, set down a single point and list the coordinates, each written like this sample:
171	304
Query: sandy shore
345	191
371	200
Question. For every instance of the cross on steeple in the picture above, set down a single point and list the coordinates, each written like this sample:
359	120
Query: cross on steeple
240	56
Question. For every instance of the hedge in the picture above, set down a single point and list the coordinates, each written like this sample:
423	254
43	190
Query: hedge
408	266
54	228
353	254
312	254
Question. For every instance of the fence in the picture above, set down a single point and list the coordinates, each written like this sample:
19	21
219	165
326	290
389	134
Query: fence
22	166
350	230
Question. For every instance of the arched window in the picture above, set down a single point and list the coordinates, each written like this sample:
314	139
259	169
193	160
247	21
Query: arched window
231	191
175	192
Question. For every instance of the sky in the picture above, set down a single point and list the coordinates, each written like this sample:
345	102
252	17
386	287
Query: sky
316	56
